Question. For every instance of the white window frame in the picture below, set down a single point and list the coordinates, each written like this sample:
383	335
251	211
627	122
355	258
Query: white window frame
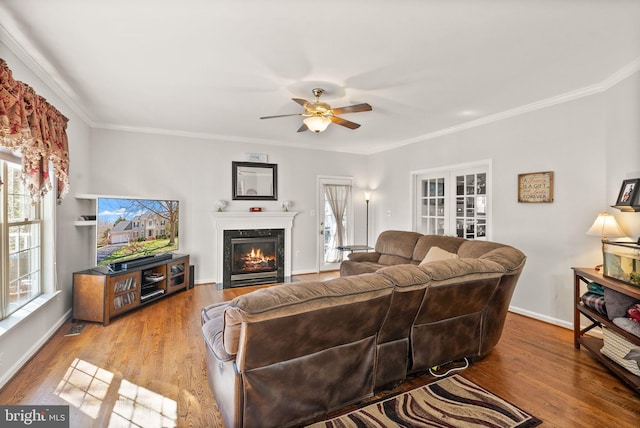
48	283
449	173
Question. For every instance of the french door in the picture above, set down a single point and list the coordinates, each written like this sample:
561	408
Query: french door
453	201
335	217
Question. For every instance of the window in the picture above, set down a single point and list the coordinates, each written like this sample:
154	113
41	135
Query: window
21	232
453	201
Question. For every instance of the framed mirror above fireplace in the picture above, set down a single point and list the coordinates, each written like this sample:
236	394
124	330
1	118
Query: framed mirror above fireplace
254	181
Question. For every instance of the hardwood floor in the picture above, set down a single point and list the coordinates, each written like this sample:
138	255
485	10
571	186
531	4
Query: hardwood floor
147	368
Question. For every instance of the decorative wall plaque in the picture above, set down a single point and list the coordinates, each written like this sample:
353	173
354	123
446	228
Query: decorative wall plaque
535	187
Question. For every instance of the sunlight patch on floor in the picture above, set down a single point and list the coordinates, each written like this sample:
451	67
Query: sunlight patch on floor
85	387
143	408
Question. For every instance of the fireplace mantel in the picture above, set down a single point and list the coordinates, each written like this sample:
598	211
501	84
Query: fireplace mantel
236	220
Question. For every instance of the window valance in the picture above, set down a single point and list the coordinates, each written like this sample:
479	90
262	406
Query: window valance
37	130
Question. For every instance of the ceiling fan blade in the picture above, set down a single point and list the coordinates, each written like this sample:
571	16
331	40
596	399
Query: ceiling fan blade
281	115
300	101
345	123
303	128
352	109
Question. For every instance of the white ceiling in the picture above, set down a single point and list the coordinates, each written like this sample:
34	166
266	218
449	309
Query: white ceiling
211	68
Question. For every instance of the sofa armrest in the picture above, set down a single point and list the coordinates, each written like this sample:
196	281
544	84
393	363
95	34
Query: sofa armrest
212	334
364	257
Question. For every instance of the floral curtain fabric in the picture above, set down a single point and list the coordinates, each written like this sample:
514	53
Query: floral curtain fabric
36	129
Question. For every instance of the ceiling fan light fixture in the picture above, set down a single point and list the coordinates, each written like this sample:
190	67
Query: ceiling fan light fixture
317	123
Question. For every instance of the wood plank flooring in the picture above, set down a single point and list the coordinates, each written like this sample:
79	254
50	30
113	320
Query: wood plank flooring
147	368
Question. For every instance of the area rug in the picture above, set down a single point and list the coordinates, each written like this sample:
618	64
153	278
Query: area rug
448	402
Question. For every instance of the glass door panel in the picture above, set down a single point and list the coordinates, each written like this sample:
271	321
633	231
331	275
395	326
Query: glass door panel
471	206
432	206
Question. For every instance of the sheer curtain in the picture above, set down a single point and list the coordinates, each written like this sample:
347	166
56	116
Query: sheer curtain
337	196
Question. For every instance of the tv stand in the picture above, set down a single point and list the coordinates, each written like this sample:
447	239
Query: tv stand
101	294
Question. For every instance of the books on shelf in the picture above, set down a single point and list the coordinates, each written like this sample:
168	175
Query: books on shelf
124	300
124	285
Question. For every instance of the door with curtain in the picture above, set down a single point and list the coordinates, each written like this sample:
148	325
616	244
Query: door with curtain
335	220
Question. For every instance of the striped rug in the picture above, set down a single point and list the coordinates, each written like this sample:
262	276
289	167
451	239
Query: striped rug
448	402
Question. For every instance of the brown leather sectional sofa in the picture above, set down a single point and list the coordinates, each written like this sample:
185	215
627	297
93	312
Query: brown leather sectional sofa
281	355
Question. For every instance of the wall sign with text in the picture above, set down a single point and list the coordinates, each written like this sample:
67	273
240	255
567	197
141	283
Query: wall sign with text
535	187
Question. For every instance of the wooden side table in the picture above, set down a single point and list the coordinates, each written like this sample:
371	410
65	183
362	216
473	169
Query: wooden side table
594	344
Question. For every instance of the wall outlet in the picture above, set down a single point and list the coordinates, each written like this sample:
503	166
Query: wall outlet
388	213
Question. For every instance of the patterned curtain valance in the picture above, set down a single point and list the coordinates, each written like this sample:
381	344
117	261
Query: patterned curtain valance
33	127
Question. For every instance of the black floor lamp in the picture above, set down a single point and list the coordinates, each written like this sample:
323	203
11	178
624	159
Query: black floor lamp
367	197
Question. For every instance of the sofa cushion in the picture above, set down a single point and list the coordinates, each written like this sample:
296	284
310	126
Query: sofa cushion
509	257
442	272
426	242
461	270
349	267
436	253
396	247
364	257
296	298
459	288
406	276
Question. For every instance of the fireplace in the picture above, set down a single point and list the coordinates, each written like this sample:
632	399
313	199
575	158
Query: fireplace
253	256
225	221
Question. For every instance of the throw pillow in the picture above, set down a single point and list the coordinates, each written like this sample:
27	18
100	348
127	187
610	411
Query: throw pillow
436	253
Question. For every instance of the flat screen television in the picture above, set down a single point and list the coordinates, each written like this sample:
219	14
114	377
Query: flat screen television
132	228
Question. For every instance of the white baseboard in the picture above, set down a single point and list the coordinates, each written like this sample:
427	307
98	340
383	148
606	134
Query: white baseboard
304	272
541	317
6	377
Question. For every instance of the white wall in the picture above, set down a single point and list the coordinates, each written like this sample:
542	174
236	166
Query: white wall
591	144
622	138
198	173
19	343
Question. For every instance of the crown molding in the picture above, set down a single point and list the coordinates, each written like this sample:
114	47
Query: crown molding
617	77
620	75
44	73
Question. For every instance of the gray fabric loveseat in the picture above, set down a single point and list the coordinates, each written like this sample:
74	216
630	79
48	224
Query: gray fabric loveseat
284	354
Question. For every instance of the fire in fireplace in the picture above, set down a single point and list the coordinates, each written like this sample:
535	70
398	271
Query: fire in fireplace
254	256
258	255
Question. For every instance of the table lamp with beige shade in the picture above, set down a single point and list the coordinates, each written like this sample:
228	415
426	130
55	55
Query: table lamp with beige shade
605	226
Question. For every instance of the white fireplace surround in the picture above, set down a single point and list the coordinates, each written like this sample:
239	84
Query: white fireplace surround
233	220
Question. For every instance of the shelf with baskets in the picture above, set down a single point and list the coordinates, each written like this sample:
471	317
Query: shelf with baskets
597	320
